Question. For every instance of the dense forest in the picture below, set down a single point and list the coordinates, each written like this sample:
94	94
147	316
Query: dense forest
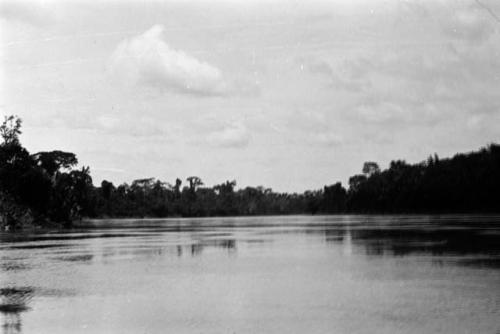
45	188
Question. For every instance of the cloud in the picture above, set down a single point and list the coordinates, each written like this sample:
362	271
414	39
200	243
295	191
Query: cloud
109	169
472	24
139	127
312	128
428	83
339	78
34	13
307	122
233	135
382	113
147	59
327	139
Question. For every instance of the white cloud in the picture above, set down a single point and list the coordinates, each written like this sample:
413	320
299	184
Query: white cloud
383	112
108	122
471	23
109	169
327	139
27	12
233	135
339	78
312	128
430	82
147	59
119	124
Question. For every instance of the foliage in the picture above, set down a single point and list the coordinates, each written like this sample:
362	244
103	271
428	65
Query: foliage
54	161
46	187
39	188
10	130
464	183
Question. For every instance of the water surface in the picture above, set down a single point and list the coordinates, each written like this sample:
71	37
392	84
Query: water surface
337	274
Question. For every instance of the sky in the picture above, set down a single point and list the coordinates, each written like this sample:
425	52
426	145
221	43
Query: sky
291	95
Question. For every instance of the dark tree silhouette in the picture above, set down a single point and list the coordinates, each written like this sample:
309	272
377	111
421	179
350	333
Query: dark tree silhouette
46	187
10	130
55	161
370	168
42	187
194	182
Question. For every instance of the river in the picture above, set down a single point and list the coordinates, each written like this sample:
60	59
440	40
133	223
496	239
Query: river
298	274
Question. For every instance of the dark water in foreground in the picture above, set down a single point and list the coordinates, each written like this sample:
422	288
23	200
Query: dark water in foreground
342	274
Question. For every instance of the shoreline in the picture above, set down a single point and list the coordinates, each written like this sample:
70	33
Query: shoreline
87	222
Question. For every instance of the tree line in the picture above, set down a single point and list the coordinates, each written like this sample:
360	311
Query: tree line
39	188
46	188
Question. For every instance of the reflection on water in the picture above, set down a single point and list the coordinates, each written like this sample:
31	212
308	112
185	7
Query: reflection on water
13	302
432	239
250	275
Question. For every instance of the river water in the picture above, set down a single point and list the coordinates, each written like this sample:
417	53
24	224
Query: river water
300	274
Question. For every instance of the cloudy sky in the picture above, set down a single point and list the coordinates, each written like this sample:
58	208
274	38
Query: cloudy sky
289	94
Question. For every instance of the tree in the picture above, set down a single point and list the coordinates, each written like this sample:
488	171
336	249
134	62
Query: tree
356	181
107	189
334	198
15	160
225	198
10	130
177	187
194	181
143	183
71	195
81	192
54	161
370	168
225	188
40	187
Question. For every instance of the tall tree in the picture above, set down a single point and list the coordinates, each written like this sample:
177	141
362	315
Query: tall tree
370	168
55	161
194	182
11	129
